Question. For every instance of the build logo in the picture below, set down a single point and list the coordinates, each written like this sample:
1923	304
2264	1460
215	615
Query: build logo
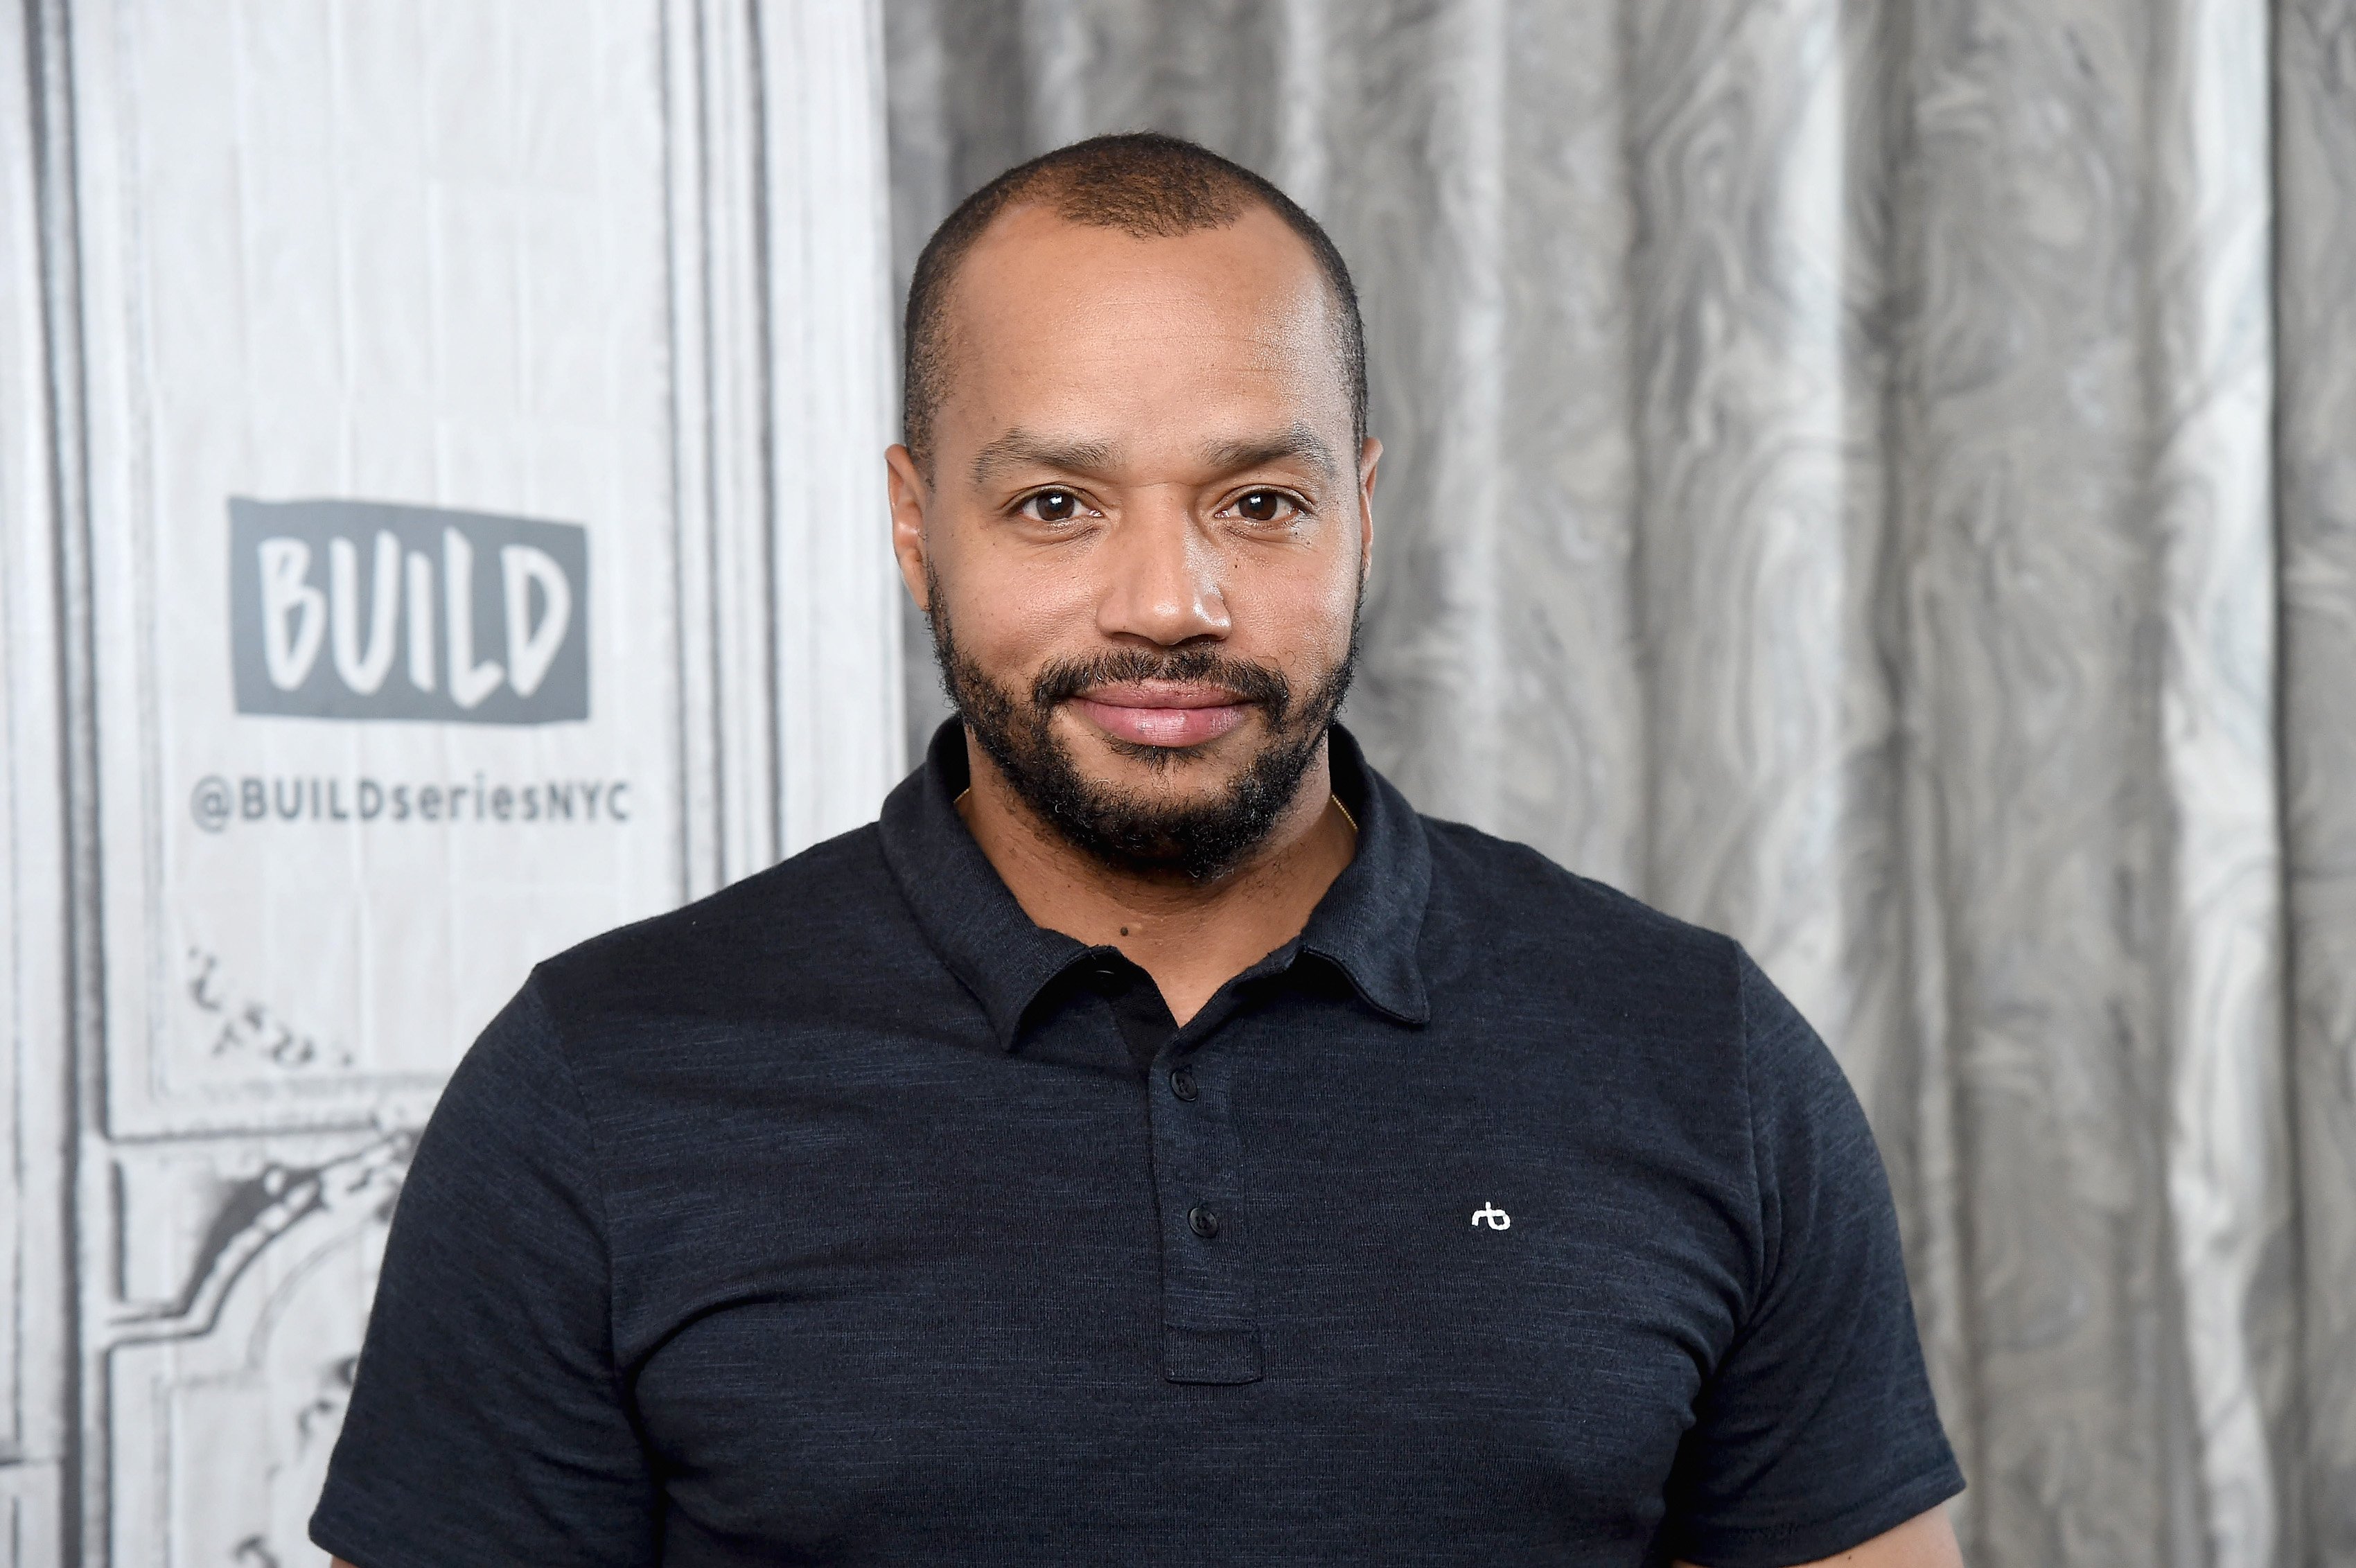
368	610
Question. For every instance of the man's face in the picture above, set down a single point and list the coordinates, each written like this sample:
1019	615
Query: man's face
1144	532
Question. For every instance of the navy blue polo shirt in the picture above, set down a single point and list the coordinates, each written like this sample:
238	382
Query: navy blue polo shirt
849	1216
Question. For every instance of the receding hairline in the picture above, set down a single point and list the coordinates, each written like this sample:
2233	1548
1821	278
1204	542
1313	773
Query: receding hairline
950	303
997	233
1145	185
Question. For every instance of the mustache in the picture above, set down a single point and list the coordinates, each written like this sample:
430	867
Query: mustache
1250	682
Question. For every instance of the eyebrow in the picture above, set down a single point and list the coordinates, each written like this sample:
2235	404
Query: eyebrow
1298	440
1019	447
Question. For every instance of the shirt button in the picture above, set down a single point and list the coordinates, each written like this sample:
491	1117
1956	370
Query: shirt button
1202	1222
1182	1082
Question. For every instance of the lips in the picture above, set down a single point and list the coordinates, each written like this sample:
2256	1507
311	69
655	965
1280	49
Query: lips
1162	713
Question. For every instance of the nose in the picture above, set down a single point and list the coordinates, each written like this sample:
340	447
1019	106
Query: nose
1162	576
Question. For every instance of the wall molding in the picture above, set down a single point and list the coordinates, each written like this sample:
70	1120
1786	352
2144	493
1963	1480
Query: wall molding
149	1209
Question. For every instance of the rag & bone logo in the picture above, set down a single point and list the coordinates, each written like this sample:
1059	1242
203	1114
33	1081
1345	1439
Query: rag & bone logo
1489	1214
369	610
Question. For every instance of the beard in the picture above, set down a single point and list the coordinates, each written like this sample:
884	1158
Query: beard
1127	829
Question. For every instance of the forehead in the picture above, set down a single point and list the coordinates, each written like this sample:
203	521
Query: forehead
1043	308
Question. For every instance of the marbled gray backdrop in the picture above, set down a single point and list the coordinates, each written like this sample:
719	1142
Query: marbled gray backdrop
1879	478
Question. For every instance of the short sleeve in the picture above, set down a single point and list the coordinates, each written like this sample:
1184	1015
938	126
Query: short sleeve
486	1421
1816	1431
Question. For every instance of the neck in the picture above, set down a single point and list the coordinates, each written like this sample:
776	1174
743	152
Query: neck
1191	935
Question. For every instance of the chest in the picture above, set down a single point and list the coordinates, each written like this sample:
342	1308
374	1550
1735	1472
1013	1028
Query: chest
884	1324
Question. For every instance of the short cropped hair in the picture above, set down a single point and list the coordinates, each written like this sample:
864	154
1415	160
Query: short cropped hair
1143	183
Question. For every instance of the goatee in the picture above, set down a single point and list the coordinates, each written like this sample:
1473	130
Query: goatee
1200	838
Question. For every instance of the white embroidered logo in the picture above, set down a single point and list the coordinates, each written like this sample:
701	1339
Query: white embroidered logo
1495	1217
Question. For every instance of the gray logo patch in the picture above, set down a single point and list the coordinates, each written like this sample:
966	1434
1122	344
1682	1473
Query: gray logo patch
372	610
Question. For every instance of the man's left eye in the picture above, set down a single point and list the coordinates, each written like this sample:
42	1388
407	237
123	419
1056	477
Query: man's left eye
1265	506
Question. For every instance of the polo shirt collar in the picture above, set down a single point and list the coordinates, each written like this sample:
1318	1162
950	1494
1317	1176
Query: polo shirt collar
1367	925
1370	923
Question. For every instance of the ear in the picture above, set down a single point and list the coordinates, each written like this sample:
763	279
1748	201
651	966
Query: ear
910	496
1370	454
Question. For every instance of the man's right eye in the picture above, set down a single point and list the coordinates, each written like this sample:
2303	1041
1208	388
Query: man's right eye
1052	506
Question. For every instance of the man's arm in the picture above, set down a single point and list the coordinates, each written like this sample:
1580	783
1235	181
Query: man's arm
487	1422
1926	1540
1817	1428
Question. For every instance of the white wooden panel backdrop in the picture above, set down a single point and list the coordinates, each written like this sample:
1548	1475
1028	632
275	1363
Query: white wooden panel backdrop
621	266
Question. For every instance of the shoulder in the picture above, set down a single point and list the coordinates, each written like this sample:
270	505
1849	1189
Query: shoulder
830	910
1518	911
1547	938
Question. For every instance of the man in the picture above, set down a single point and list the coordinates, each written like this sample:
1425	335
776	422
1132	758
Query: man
1151	1140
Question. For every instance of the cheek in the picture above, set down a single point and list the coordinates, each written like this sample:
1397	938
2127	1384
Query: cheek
1012	613
1299	617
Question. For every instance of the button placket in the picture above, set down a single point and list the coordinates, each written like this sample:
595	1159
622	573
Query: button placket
1210	1334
